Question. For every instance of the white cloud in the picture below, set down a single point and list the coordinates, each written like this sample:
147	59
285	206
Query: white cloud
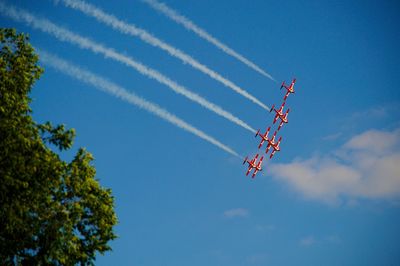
374	141
239	212
367	166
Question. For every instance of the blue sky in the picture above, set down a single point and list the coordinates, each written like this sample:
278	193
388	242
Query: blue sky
330	197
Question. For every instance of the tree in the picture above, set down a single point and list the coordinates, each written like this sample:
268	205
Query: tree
51	211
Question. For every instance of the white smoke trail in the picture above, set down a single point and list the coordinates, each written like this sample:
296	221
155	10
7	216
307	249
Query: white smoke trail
188	24
85	43
133	30
119	92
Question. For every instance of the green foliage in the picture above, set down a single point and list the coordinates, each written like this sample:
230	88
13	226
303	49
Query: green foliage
51	211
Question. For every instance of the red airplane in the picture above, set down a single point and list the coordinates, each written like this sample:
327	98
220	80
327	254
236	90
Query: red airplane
276	147
254	165
290	88
264	137
271	142
279	114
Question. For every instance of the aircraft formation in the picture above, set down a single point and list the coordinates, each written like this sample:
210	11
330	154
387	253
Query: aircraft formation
272	144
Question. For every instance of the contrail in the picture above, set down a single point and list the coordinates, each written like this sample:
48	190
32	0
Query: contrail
85	43
132	30
119	92
188	24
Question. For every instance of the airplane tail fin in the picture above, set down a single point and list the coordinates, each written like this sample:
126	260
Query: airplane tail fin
258	132
272	108
245	160
283	84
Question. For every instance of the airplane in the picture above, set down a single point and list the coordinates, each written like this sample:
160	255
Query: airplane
271	142
276	147
253	165
264	137
279	114
290	88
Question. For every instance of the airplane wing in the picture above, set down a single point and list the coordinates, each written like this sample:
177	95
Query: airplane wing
268	147
261	143
272	108
254	174
267	132
245	160
280	125
248	170
276	118
273	137
283	85
272	154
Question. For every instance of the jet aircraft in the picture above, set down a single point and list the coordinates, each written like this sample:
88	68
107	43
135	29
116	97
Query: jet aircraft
289	89
271	142
254	165
279	114
275	147
264	137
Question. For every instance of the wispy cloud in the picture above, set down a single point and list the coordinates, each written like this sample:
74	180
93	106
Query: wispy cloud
259	258
190	25
375	141
307	241
265	228
239	212
147	37
384	112
331	137
375	112
63	34
311	240
367	166
333	239
119	92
